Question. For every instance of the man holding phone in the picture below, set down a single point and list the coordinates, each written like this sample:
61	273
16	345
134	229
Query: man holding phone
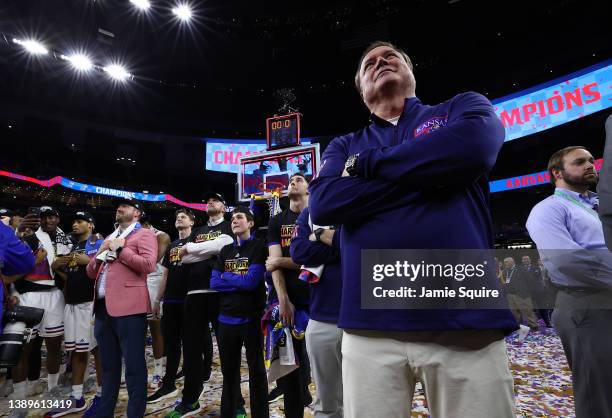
39	289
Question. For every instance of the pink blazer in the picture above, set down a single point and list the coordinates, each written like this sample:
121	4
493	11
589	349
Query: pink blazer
126	279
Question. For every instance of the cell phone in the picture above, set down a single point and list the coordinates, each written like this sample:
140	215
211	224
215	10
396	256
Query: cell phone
34	211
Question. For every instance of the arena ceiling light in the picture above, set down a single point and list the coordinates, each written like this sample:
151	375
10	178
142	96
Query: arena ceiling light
80	62
141	4
117	72
32	46
183	12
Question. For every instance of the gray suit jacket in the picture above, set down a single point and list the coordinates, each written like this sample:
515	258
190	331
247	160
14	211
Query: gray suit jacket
604	187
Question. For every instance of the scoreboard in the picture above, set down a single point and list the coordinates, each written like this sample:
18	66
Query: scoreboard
283	131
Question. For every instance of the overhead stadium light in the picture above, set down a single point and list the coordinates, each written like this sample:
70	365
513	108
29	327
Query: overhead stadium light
117	72
80	62
183	12
141	4
32	46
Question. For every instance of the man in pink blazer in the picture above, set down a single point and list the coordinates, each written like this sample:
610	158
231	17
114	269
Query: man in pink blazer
122	301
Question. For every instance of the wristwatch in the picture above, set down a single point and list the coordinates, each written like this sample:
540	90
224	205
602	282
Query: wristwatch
351	165
318	232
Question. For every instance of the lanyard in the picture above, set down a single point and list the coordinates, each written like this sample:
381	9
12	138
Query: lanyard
576	202
509	276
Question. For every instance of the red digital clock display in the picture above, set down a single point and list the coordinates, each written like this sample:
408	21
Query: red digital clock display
283	131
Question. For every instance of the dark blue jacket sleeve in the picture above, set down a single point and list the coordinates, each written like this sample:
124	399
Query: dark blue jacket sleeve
335	200
217	284
309	253
15	257
460	152
231	282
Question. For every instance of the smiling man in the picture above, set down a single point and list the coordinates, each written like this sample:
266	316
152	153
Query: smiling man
414	178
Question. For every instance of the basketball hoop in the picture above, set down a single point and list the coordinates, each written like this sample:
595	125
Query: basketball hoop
272	192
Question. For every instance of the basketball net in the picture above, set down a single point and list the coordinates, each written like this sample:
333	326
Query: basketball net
273	199
274	203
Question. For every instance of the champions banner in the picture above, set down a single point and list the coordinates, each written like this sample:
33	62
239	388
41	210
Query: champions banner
556	102
528	180
223	154
89	188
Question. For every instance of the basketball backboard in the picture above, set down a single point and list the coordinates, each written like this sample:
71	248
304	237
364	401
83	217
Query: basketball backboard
272	169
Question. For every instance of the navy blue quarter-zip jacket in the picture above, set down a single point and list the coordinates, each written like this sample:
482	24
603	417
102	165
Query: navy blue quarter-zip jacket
419	184
326	293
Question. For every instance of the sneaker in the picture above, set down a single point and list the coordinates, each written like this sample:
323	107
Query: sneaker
161	394
93	407
184	410
7	388
155	382
275	394
241	412
523	332
73	405
180	375
35	387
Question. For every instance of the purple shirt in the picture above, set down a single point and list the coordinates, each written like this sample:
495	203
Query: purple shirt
422	183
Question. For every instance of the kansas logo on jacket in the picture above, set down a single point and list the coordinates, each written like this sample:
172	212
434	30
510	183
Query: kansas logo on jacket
431	125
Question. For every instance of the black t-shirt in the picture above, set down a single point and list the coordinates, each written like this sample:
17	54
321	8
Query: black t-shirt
237	259
178	273
41	271
199	275
79	287
280	231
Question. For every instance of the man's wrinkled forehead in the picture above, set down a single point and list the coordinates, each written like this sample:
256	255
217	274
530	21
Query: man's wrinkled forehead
378	51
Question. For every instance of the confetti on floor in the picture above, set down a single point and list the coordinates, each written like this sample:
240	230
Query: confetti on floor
542	383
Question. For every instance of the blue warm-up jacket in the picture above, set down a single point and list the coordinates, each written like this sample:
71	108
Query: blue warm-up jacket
326	293
420	184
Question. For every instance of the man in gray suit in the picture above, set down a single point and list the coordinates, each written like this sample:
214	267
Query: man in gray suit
604	187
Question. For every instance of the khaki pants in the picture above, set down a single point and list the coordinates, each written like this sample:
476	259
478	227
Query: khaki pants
464	374
522	309
323	343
